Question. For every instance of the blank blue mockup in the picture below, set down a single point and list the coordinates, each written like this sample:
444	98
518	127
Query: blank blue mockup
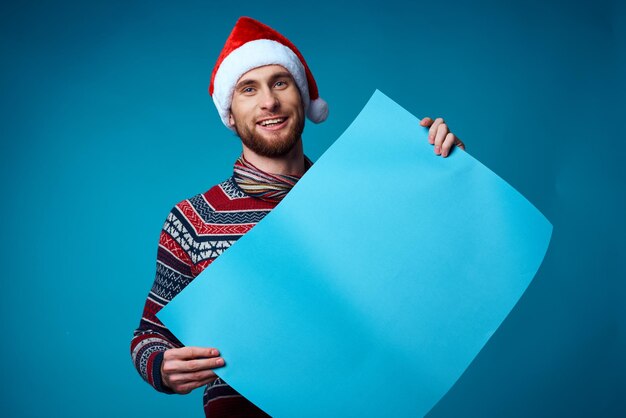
374	284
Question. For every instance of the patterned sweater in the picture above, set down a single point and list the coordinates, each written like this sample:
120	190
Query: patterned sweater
195	233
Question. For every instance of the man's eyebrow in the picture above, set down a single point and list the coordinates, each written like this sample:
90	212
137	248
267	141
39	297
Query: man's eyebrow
282	74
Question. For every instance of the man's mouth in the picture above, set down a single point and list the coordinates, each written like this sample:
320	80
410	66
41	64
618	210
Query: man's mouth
273	123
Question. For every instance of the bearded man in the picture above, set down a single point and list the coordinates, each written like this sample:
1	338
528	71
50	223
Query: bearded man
263	89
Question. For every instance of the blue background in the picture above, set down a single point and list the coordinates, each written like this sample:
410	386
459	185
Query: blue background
106	123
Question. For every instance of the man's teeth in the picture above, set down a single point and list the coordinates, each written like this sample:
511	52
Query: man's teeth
272	122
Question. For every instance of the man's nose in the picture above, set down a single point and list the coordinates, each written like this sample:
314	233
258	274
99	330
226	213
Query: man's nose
269	100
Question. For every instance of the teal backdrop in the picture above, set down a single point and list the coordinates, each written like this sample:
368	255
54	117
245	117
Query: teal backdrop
106	124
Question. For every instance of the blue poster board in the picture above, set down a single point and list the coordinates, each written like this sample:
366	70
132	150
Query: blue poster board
373	285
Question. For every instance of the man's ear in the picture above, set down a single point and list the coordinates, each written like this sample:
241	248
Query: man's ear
231	120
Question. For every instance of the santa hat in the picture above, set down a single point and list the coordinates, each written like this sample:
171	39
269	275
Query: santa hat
252	44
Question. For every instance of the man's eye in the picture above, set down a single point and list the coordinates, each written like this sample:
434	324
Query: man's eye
247	90
280	84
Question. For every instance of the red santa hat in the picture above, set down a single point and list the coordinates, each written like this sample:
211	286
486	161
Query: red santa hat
252	44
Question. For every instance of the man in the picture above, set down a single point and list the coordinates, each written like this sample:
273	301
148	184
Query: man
262	88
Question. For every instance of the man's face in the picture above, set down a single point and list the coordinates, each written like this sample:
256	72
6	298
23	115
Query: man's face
267	111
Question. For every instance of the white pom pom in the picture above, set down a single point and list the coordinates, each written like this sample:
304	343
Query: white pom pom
318	110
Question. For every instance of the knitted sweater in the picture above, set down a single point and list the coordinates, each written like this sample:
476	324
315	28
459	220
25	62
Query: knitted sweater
195	233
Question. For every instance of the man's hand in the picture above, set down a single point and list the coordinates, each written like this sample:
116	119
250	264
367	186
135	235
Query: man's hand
441	137
184	369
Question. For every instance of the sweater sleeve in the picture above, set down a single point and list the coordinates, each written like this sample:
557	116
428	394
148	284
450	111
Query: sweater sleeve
174	271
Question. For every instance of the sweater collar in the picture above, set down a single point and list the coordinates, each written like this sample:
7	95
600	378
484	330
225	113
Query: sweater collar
263	185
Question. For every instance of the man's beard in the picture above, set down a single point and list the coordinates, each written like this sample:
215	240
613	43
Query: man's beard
278	146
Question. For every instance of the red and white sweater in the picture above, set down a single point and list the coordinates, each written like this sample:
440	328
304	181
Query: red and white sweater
195	233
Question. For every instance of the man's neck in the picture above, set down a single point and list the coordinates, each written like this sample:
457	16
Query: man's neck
291	163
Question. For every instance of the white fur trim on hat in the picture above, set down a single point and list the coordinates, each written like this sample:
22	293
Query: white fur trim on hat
251	55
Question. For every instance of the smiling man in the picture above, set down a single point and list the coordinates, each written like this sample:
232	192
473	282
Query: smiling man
268	116
263	90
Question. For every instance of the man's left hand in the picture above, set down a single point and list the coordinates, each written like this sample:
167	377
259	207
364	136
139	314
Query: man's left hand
440	136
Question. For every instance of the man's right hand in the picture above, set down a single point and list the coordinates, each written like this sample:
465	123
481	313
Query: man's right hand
184	369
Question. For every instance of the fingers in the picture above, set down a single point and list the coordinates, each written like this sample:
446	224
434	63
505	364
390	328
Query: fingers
447	145
433	131
434	128
440	136
188	353
184	369
426	122
190	366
